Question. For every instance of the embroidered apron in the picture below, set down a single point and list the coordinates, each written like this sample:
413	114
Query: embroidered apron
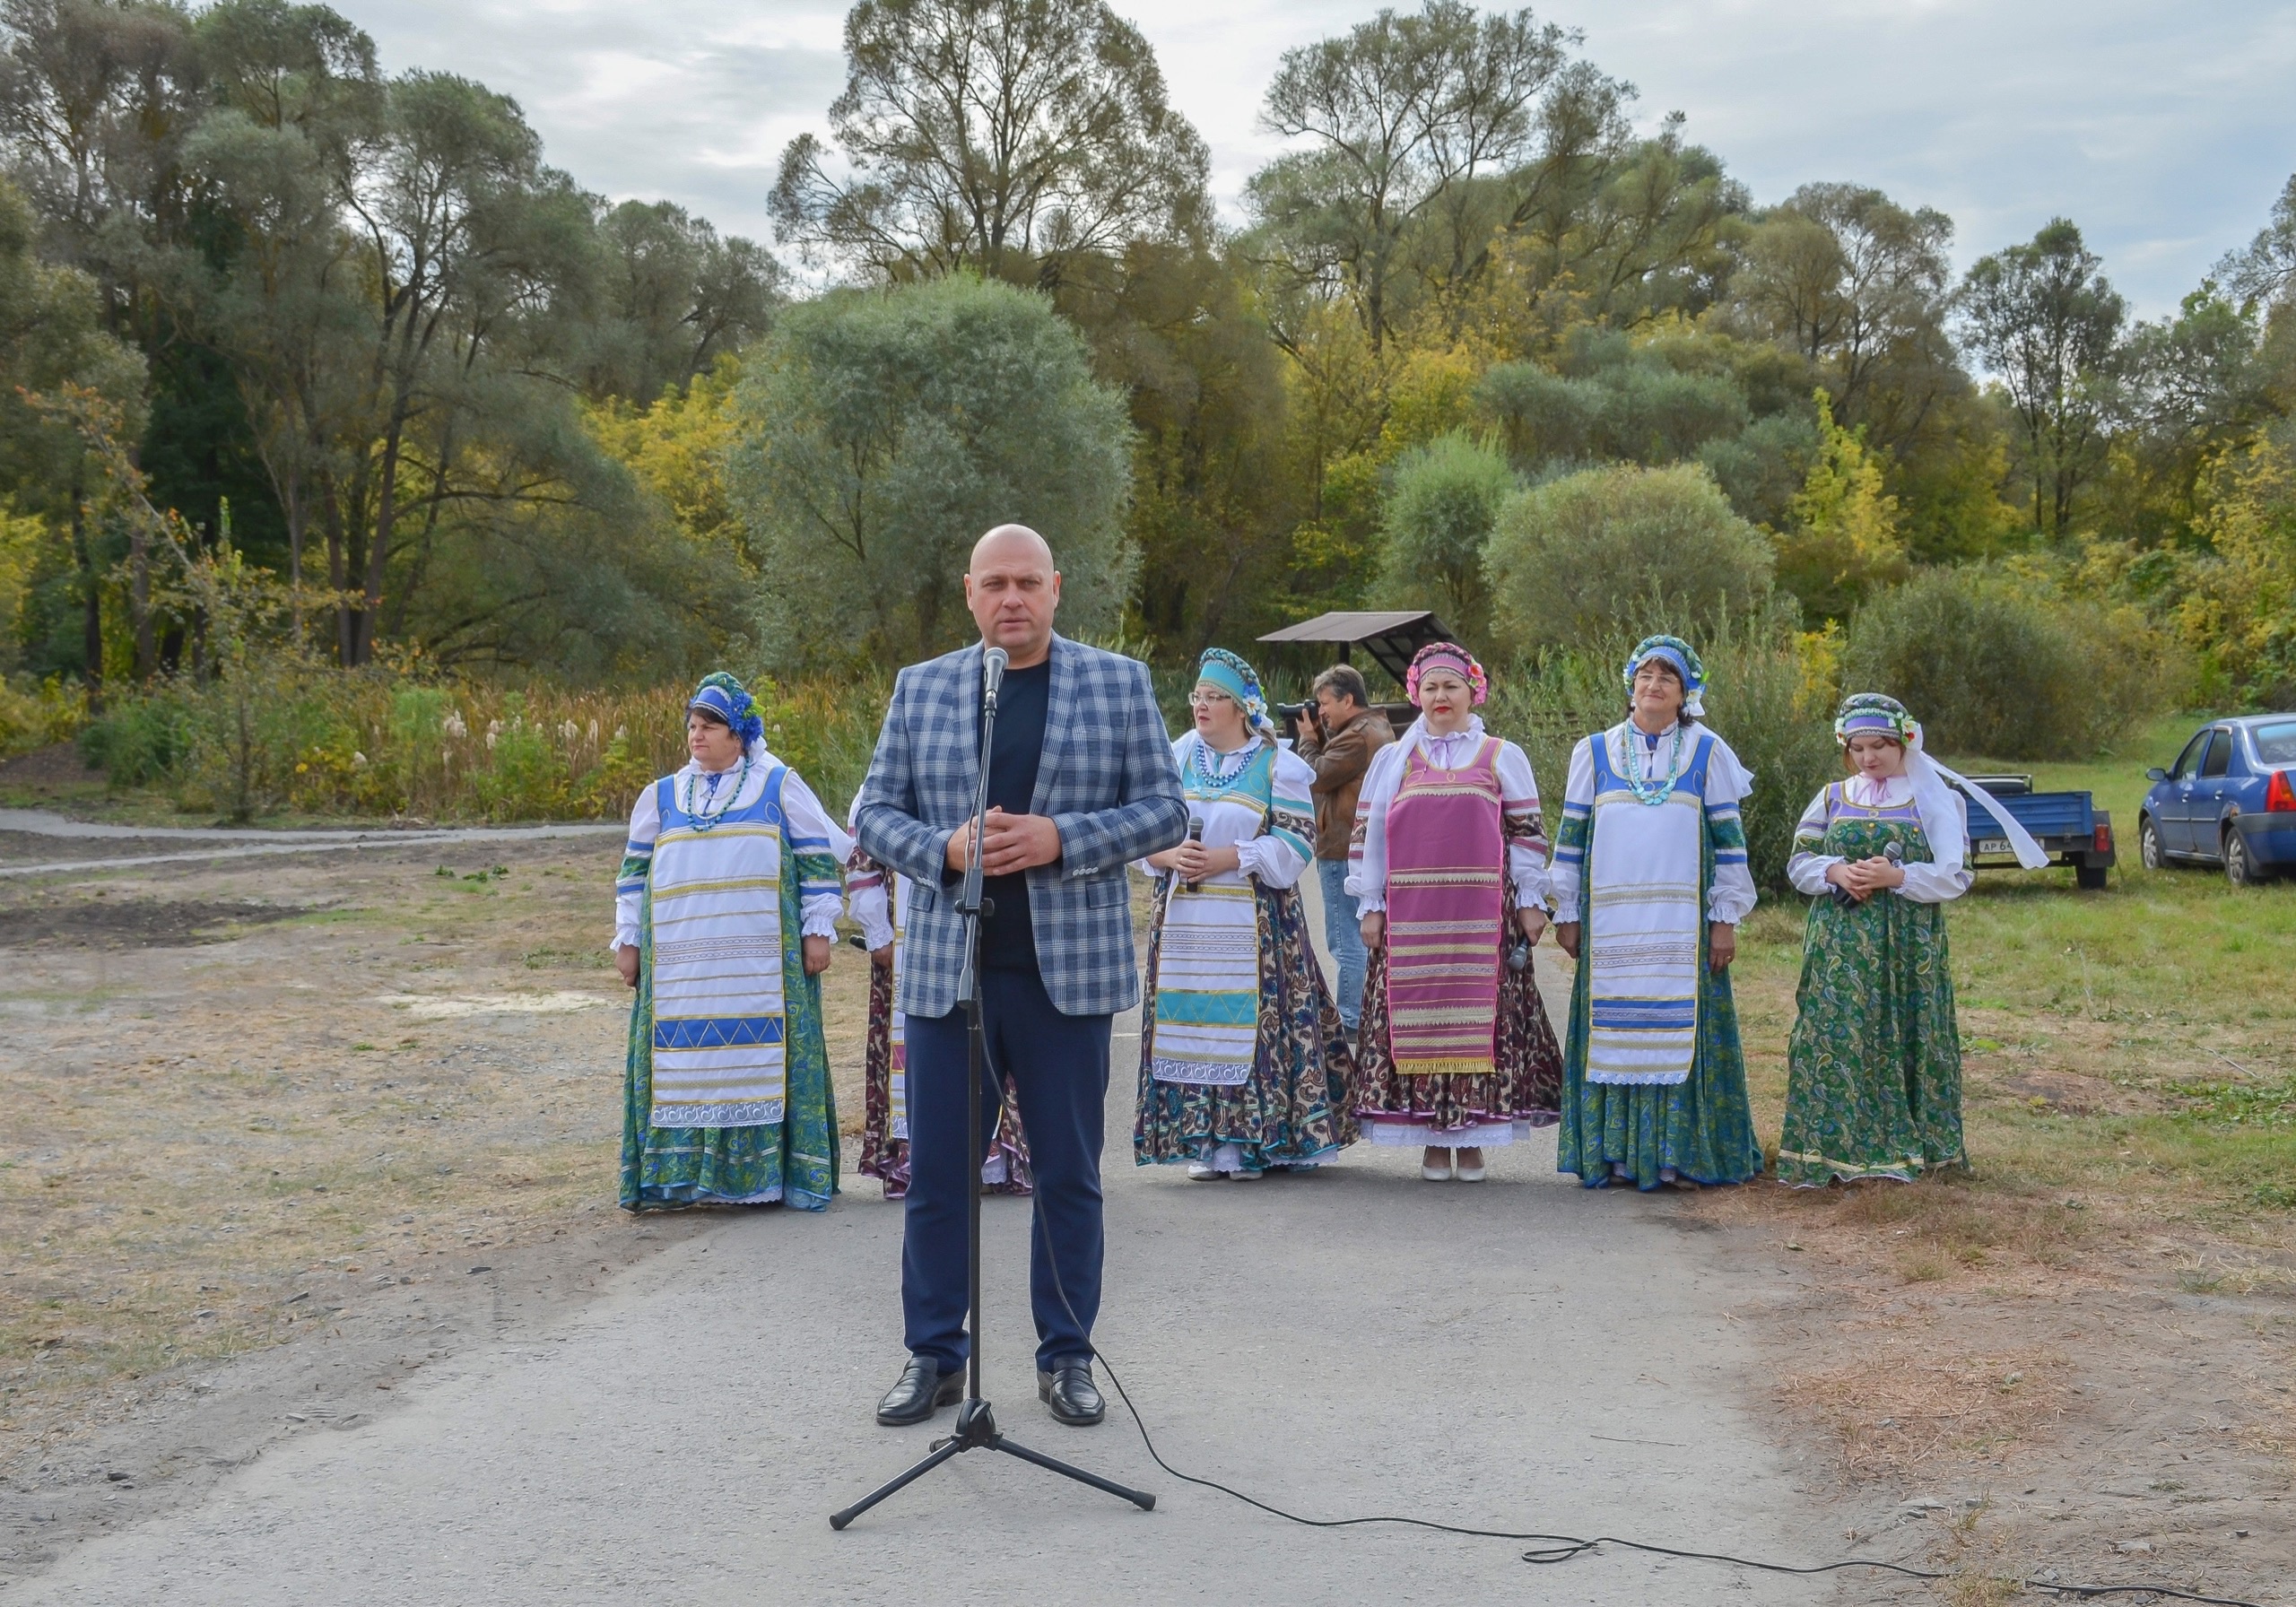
1446	867
720	1021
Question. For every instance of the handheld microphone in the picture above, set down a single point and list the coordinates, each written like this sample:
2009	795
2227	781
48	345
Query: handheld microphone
1195	835
1892	852
992	673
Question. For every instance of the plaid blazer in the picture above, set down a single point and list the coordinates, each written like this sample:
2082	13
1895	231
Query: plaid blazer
1105	779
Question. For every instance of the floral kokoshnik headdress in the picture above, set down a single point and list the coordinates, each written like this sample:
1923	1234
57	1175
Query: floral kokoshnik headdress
1877	714
1675	651
1451	656
725	697
1874	714
1239	680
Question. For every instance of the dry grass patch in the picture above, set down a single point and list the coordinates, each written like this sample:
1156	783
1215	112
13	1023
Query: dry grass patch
206	1143
1902	1407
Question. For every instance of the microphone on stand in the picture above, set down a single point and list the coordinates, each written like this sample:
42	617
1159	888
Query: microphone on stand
1195	835
992	673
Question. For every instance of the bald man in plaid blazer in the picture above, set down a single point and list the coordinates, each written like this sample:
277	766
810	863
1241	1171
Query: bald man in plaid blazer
1082	782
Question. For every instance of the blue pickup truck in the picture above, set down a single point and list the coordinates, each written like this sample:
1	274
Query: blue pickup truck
2068	825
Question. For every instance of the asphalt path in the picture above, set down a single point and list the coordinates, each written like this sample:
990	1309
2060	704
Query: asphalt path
1518	1354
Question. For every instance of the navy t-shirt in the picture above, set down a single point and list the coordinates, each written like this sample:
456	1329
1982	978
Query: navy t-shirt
1007	942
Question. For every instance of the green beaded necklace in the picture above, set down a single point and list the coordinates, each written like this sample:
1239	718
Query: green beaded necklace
704	822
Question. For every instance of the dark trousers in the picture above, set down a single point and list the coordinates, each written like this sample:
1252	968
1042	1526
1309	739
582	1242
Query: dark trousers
1059	1068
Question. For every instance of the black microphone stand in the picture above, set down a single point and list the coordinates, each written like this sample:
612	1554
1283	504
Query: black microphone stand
976	1429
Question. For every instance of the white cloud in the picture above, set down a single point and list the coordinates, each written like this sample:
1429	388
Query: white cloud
2163	130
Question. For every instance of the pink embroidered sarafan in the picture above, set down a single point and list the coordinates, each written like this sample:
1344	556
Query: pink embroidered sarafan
1447	861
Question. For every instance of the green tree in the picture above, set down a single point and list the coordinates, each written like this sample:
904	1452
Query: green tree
2047	323
1005	136
52	341
1598	552
2193	391
1214	499
1842	539
299	101
1860	287
2263	273
883	432
672	298
1438	519
1429	134
1619	231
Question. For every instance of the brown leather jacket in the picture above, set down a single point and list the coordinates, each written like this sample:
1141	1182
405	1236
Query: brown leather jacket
1339	760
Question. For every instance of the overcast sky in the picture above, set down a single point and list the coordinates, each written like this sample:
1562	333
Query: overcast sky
2165	130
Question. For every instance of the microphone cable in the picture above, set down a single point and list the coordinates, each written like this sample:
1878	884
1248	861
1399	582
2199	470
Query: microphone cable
1553	1548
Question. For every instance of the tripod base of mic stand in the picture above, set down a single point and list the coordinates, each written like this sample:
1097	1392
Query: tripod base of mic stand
977	1431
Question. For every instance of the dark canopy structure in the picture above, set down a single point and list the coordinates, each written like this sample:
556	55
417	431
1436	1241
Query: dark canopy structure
1391	638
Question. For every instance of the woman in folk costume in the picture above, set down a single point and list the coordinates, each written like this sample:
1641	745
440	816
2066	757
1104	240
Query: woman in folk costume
877	900
724	915
1243	1060
1650	883
1874	1080
1449	871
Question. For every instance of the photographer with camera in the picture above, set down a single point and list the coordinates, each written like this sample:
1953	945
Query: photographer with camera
1339	731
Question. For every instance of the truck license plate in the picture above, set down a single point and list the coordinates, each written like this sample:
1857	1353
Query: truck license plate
1994	845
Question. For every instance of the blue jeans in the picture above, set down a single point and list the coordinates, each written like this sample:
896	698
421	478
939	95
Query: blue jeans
1345	935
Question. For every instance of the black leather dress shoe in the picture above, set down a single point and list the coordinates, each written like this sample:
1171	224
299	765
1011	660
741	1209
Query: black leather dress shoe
1069	1390
923	1390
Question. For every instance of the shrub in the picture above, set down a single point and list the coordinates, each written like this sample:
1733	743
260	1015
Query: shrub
1586	556
1438	519
1541	416
1763	469
33	714
2006	665
1653	414
140	739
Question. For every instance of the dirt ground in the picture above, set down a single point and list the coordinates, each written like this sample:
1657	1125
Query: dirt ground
343	1112
275	1133
2087	1381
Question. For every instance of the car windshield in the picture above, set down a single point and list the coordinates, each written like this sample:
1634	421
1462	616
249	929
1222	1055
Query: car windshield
2276	742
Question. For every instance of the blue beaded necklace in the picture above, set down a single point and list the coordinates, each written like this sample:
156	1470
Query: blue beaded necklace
704	822
1208	764
1645	790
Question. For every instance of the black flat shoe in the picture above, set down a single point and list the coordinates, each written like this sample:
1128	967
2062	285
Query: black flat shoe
923	1390
1069	1390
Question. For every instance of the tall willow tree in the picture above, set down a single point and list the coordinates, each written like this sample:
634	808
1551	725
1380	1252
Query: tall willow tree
1004	136
880	432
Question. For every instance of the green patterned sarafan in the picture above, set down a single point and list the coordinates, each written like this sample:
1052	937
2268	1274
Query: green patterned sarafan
1874	1083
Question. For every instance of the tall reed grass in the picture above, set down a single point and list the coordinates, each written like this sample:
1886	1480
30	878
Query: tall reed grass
318	741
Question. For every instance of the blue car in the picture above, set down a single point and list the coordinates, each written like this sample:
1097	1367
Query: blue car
2230	799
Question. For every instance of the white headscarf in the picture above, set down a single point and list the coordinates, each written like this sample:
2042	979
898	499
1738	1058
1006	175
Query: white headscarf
1932	783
